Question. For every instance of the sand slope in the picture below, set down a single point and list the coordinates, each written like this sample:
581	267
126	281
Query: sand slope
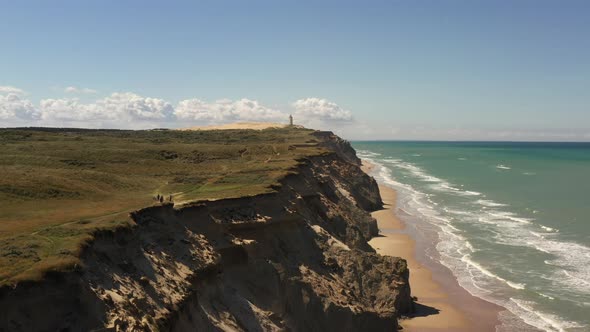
240	125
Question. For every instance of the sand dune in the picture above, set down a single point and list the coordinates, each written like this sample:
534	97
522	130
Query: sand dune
240	125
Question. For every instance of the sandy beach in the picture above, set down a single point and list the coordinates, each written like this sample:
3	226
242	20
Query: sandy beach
442	304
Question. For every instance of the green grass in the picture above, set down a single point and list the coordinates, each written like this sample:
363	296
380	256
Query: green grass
58	186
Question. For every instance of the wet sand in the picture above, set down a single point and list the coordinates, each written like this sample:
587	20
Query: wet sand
442	304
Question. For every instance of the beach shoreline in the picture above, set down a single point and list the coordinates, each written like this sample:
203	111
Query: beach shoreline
442	305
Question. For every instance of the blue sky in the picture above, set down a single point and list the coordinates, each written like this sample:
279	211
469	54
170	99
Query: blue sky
499	70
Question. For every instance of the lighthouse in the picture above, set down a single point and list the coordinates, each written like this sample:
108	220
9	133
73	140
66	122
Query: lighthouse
291	120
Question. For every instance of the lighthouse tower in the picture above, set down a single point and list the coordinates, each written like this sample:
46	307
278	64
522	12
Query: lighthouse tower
291	120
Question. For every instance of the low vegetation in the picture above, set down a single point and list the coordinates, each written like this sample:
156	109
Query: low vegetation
59	186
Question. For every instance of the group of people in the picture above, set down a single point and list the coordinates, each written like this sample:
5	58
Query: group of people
160	198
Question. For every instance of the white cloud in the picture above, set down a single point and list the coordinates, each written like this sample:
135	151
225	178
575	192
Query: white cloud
72	110
320	109
13	107
4	89
76	90
116	107
225	110
137	107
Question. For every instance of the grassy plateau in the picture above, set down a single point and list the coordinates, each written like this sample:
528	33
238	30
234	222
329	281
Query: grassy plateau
59	186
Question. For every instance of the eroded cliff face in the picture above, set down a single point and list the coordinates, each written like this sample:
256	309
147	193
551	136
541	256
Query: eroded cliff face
297	259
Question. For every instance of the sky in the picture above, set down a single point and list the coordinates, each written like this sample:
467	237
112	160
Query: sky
432	70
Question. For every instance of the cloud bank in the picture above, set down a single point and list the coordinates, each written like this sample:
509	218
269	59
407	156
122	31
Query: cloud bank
225	110
14	107
322	109
116	107
126	110
130	110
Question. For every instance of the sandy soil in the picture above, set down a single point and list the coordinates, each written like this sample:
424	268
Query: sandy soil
442	304
240	125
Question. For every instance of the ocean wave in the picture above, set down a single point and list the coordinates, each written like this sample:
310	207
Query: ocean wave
541	320
515	285
468	245
503	215
504	167
471	193
537	247
576	279
510	322
391	160
445	187
489	203
367	154
568	261
549	229
438	183
458	212
414	170
448	188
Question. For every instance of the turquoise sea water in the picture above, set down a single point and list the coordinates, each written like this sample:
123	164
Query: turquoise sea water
512	219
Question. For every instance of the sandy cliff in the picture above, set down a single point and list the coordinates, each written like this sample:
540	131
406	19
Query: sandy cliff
297	259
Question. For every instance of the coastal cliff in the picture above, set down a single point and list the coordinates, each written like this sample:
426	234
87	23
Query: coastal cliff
294	259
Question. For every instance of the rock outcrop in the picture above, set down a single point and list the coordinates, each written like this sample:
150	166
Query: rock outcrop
296	259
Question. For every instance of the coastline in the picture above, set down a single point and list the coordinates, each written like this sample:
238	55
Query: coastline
442	305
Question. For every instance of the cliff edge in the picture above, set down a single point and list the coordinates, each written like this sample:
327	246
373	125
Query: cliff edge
295	259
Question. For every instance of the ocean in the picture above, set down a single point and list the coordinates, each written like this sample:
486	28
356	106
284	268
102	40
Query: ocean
512	221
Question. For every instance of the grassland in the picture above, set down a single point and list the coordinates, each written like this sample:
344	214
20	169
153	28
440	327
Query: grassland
58	186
